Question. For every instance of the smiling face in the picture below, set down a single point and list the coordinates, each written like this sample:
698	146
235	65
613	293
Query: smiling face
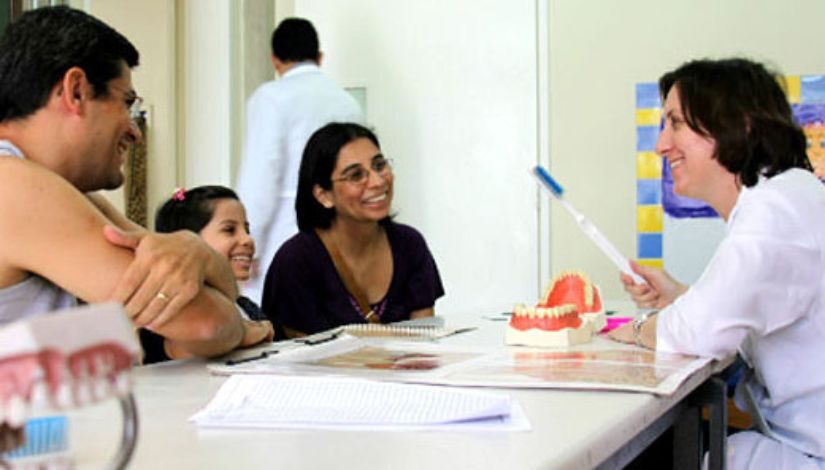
228	234
111	133
691	156
365	201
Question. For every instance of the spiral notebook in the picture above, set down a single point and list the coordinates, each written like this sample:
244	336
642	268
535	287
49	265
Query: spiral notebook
408	332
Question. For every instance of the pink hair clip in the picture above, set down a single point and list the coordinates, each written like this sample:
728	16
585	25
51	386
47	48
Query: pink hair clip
179	195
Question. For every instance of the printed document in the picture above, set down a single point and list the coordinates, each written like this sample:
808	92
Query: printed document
269	401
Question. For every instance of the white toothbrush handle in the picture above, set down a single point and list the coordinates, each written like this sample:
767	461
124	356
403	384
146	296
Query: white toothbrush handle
602	242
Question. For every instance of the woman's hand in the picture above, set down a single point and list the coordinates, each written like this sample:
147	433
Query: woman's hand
623	334
659	291
645	337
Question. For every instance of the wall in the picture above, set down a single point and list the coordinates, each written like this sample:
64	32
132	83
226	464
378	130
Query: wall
451	91
224	55
191	56
599	50
205	35
251	60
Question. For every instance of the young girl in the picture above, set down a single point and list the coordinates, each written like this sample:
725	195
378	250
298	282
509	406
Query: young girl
217	215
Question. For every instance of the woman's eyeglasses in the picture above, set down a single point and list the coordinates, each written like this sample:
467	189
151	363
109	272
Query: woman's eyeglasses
359	175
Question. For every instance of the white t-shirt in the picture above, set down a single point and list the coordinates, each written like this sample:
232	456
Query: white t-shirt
33	295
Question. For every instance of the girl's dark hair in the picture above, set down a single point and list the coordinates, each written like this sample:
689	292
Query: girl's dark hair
317	163
741	105
190	209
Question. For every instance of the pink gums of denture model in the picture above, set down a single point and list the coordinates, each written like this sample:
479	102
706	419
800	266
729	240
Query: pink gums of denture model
65	359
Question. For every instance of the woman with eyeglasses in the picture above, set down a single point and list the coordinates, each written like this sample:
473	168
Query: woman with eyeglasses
350	263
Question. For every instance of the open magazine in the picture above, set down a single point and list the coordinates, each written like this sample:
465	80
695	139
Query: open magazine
613	368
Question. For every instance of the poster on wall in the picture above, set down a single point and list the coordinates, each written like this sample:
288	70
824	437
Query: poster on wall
681	206
811	117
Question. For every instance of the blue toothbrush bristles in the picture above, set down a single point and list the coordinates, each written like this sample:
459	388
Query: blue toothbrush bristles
46	435
551	183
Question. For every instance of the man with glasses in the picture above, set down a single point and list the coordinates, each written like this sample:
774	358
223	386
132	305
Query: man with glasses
66	107
281	115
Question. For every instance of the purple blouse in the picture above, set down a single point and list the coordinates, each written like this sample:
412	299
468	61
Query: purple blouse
304	292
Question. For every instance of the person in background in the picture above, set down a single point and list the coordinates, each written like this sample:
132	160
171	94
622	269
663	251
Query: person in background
730	140
217	215
350	263
280	117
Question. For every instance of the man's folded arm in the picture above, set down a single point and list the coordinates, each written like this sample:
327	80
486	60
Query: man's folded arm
50	229
216	270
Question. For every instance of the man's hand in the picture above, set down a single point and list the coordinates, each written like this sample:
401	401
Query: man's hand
167	273
256	332
659	291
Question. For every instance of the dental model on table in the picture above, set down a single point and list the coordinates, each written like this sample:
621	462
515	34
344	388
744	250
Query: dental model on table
570	312
65	360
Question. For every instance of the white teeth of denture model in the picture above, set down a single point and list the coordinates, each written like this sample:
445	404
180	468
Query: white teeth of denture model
65	359
547	327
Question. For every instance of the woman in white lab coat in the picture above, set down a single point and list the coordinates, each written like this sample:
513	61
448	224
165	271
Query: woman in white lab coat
731	141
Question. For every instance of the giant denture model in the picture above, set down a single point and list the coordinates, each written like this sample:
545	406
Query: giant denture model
64	360
570	312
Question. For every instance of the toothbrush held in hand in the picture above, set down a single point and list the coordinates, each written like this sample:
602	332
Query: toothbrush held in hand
548	183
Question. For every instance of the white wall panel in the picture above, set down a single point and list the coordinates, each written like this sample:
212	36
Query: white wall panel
451	91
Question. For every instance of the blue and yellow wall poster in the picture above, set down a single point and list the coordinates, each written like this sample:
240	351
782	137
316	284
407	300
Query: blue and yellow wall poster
655	198
808	104
649	197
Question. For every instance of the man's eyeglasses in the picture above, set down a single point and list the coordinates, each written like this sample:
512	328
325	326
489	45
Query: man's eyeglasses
135	104
358	175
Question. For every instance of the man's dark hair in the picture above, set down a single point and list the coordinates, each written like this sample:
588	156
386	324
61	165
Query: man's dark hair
190	209
741	105
318	162
295	40
38	49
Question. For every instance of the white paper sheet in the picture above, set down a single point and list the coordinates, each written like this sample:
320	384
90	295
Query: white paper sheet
340	403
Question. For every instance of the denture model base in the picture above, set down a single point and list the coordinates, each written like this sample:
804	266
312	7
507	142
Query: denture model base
65	359
570	312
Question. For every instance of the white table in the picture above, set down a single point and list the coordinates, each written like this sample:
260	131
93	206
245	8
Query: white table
571	429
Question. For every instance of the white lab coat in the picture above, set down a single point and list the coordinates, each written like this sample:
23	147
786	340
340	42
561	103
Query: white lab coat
763	293
281	116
